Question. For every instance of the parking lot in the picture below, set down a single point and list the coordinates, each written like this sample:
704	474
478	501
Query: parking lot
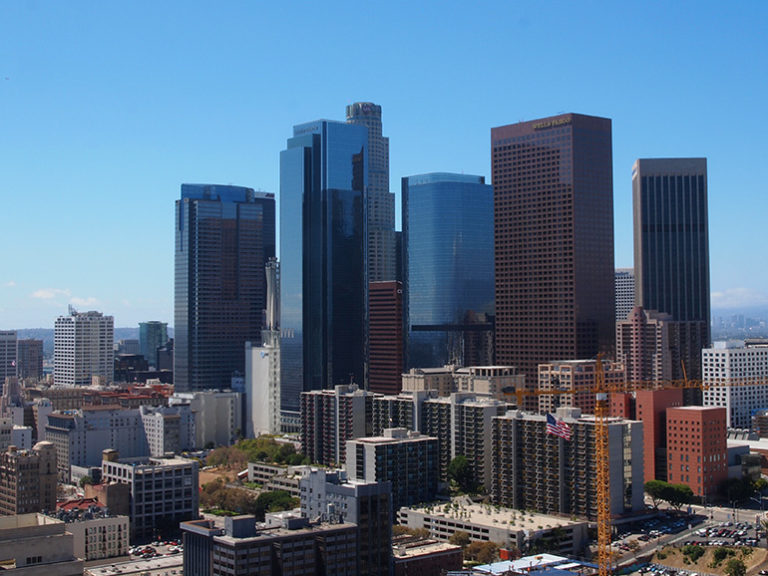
162	562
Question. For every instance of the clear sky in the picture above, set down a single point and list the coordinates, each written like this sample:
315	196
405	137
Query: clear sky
107	107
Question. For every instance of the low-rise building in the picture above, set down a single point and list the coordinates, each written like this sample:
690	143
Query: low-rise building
97	533
504	526
37	545
424	556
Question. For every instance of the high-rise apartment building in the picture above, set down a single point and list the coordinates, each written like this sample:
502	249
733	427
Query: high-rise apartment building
576	381
448	269
696	448
83	348
553	222
323	268
224	237
29	361
381	203
7	355
736	378
152	335
385	308
331	417
536	470
669	198
624	286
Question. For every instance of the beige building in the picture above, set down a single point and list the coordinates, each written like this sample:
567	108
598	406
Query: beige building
575	381
28	479
36	545
439	379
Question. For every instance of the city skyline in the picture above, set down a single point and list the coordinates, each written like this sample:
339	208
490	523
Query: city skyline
107	121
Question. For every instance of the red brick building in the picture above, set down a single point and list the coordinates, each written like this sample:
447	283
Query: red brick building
696	448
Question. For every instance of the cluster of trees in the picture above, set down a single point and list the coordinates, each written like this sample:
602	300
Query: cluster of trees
480	552
217	497
460	474
261	449
676	495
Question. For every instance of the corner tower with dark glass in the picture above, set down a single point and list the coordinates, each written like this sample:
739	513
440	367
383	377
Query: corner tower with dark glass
448	270
553	222
323	251
224	237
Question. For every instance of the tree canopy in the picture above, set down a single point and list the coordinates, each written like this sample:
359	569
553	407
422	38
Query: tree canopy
675	495
460	472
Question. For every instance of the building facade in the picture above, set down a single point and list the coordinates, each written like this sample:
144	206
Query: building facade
624	285
736	378
331	417
553	223
407	459
651	408
7	355
36	545
539	471
575	382
224	237
163	492
83	349
696	448
96	532
218	415
671	234
323	268
152	335
448	269
28	480
380	202
29	361
386	356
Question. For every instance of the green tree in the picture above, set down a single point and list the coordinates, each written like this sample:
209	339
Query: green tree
677	495
655	489
85	480
737	489
460	472
735	567
483	552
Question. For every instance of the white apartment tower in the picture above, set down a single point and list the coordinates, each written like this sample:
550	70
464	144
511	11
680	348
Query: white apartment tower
262	366
381	203
83	348
736	377
624	284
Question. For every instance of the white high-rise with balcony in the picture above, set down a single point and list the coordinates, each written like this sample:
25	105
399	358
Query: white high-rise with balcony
83	348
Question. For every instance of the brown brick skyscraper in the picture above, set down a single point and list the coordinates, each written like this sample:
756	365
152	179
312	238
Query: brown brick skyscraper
553	221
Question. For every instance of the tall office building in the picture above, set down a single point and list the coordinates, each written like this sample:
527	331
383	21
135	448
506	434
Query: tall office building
624	285
669	198
553	220
381	204
29	361
224	237
323	277
385	308
448	269
152	335
83	348
7	355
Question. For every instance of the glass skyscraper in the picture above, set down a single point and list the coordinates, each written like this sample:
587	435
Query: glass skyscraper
448	269
323	284
152	335
224	237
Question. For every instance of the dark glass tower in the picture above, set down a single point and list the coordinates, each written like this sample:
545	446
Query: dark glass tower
669	197
323	284
553	222
152	335
448	269
224	237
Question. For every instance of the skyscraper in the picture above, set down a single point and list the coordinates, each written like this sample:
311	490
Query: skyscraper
224	237
83	348
323	279
152	335
7	355
385	310
29	363
624	280
448	269
381	204
553	221
669	198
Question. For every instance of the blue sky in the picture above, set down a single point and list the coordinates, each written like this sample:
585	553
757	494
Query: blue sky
107	107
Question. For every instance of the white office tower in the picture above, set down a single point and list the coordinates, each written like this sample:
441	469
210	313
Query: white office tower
736	377
83	349
262	365
624	284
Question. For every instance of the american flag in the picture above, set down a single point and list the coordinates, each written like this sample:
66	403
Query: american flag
558	428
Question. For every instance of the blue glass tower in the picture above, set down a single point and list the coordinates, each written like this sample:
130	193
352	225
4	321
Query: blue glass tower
224	237
323	246
448	269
